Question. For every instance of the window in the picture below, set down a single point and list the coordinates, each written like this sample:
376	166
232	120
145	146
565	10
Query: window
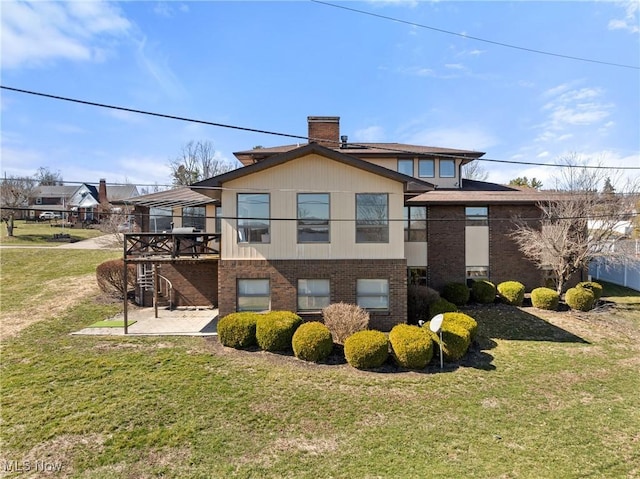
477	215
313	217
372	218
373	294
313	294
415	223
218	219
447	169
253	295
160	219
426	169
405	167
194	216
417	276
253	218
477	272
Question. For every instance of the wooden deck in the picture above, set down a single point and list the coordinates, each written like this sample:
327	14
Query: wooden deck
144	247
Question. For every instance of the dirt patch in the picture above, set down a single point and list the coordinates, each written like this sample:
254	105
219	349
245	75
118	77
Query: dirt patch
67	293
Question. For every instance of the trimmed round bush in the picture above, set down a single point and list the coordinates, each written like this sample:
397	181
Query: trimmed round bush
483	291
366	349
418	300
274	330
238	330
595	288
455	341
580	299
441	306
545	298
312	342
456	293
411	345
511	292
464	320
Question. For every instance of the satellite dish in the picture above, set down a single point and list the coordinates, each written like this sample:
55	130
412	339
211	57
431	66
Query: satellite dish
436	323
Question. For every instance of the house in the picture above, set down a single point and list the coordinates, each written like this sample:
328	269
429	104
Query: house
82	203
301	226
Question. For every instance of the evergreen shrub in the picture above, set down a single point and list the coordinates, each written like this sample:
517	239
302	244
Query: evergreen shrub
511	292
455	341
463	320
483	291
595	288
545	298
411	345
441	306
580	299
312	342
274	330
238	330
456	293
366	349
419	300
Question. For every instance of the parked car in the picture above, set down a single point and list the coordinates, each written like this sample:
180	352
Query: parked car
49	215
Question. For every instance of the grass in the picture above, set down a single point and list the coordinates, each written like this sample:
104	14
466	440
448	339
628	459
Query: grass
41	234
111	323
538	397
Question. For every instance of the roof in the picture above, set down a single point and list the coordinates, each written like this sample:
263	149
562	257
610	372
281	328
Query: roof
411	184
120	193
480	192
362	150
54	191
182	196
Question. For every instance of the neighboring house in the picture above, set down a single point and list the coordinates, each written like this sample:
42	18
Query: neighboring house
301	227
81	203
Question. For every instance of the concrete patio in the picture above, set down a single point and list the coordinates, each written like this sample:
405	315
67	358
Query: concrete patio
184	321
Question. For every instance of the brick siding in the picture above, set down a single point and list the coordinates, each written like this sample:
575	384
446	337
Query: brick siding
195	283
284	275
446	253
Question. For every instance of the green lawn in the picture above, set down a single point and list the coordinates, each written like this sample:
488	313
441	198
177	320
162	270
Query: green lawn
41	233
537	398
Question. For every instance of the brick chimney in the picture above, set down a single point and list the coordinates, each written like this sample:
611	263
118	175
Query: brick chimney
102	191
324	130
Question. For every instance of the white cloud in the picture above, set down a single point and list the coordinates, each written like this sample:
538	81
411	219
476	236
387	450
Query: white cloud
462	137
37	33
630	20
371	134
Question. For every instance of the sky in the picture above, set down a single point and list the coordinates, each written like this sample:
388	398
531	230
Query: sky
268	65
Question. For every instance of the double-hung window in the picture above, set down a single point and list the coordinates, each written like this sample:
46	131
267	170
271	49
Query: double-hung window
372	218
253	295
253	218
313	217
313	294
373	294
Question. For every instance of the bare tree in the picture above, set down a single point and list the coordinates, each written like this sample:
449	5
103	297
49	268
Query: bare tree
578	223
197	162
474	171
14	196
45	177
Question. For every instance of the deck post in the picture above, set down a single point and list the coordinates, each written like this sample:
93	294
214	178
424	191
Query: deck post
126	282
155	289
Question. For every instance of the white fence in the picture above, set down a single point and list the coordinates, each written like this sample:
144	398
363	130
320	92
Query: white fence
627	274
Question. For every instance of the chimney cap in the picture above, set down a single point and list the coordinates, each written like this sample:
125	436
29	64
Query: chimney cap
323	119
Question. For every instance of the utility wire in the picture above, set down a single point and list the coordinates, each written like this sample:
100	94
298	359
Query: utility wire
378	146
501	44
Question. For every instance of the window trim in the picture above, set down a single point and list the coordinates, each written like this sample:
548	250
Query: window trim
453	164
433	167
405	160
476	219
328	219
238	295
268	221
372	295
407	224
312	295
384	226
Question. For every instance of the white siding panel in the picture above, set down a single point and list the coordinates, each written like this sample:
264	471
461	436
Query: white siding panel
416	253
312	174
477	245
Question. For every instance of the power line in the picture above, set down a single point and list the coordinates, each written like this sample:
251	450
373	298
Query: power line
377	146
492	42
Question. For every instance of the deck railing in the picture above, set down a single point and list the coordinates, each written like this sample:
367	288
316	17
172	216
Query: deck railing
175	245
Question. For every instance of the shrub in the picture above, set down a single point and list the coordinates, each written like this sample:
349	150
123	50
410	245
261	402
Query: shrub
441	306
366	349
344	319
412	346
110	277
456	293
483	291
595	288
581	299
274	330
464	320
312	342
238	330
419	299
511	292
545	298
455	341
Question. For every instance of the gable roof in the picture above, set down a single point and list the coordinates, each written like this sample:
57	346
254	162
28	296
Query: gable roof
362	150
411	184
